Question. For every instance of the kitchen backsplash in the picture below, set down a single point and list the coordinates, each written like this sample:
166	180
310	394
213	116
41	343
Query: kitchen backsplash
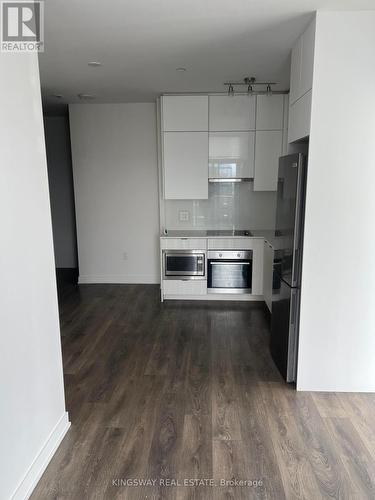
229	206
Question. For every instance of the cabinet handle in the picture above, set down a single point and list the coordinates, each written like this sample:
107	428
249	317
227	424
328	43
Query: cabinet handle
224	263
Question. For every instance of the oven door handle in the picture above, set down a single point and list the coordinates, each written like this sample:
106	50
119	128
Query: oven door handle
226	263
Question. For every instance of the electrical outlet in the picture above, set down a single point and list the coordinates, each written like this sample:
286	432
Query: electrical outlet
125	256
183	215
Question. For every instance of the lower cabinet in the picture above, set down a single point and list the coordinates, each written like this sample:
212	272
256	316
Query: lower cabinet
185	287
257	286
268	274
198	287
183	243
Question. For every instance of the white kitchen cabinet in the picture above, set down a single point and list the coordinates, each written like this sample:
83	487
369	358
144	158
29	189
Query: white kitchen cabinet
185	165
257	282
231	113
268	149
307	59
299	118
270	112
268	274
285	125
184	113
295	71
183	243
231	154
242	243
301	74
184	287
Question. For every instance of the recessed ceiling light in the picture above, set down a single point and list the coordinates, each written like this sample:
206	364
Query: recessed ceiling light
94	64
181	69
57	96
86	96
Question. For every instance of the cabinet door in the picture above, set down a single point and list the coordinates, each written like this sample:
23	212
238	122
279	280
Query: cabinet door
268	149
231	113
185	113
184	287
185	156
257	285
295	72
299	118
307	59
270	111
183	243
231	154
285	124
268	274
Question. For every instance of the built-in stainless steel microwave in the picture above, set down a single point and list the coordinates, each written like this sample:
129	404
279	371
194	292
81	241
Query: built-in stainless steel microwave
184	264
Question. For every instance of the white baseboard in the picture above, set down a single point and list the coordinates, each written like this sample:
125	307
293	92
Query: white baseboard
125	279
39	465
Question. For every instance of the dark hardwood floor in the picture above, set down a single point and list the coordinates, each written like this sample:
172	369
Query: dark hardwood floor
187	390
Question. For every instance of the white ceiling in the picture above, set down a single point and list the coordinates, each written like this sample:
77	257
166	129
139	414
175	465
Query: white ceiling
141	43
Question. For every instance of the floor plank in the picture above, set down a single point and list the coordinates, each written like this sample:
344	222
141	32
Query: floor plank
188	391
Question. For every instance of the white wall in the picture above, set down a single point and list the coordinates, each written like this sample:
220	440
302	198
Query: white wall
116	192
61	190
337	330
32	415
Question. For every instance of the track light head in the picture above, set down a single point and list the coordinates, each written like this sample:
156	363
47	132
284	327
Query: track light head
230	90
269	90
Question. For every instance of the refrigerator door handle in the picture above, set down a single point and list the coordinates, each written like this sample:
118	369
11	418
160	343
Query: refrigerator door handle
298	223
293	337
296	267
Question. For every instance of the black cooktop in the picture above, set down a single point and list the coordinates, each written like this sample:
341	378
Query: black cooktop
229	232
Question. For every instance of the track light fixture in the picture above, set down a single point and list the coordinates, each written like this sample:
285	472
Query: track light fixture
250	82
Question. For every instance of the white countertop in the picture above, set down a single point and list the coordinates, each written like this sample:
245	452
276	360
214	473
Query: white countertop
276	242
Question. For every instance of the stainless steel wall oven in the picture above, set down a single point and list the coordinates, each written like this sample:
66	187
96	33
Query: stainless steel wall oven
229	271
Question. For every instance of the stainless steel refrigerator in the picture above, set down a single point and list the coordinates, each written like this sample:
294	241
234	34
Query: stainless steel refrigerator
288	264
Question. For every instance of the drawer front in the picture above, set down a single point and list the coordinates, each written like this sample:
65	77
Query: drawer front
183	243
185	287
231	244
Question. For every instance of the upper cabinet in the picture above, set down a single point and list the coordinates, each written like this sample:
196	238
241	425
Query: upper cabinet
184	113
301	79
307	59
184	155
268	149
299	118
231	113
268	141
270	112
185	165
231	155
219	136
295	72
301	72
